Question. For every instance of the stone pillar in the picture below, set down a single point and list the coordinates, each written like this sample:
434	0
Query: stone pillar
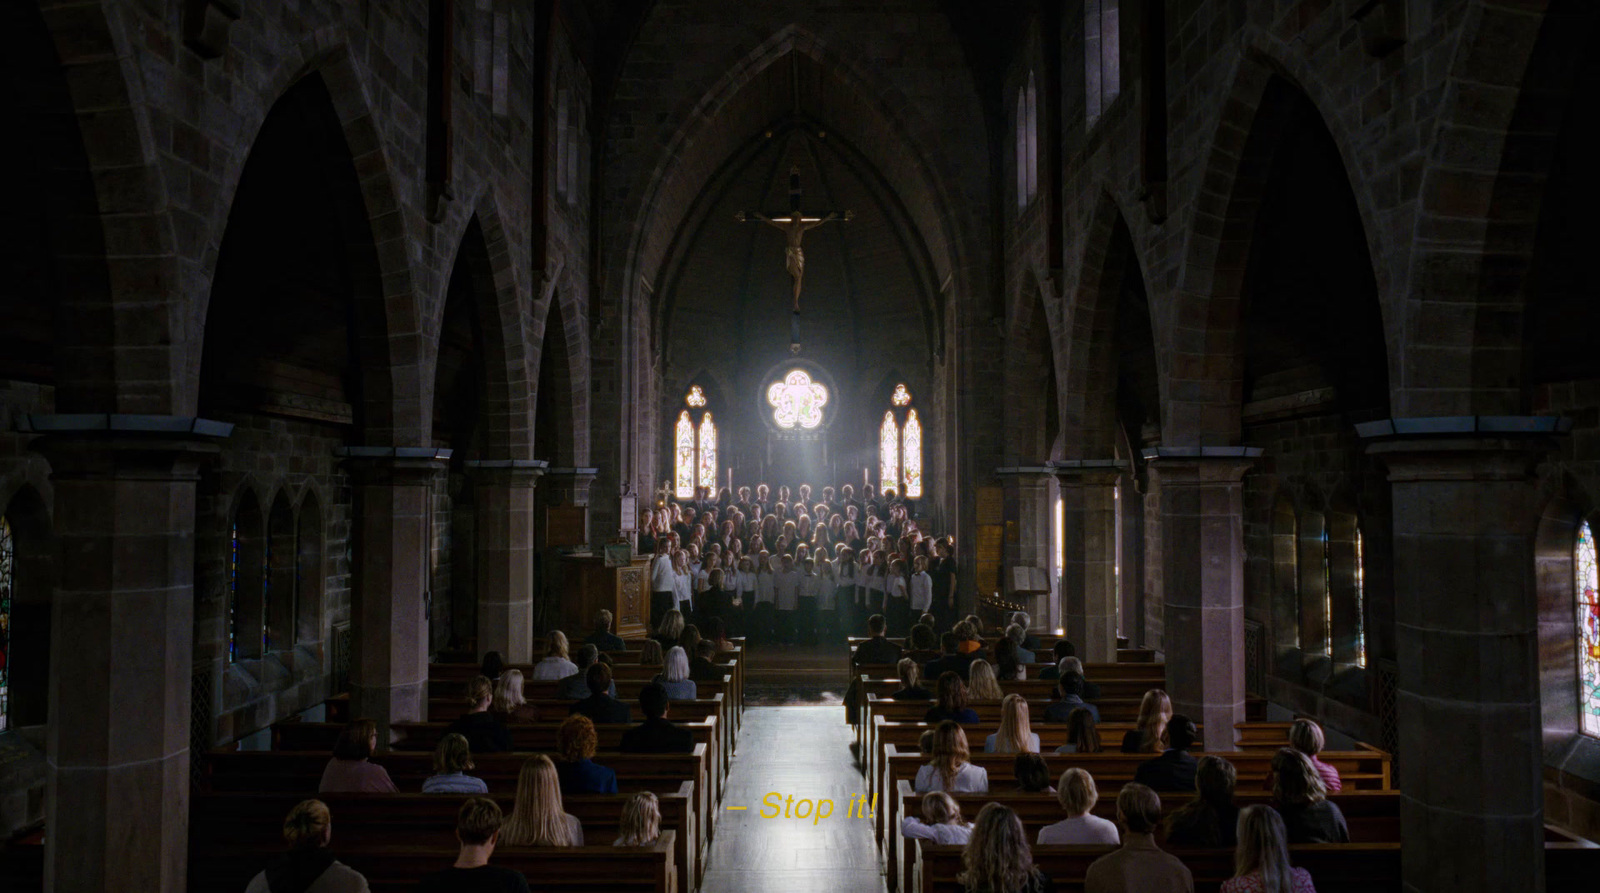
504	493
569	486
1466	510
121	653
1202	582
389	663
1089	556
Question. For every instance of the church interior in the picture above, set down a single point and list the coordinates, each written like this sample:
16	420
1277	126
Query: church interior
358	356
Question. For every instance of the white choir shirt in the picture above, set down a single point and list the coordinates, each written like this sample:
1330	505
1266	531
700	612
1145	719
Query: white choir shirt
921	592
827	592
746	581
702	580
897	586
662	574
681	591
766	589
875	582
786	584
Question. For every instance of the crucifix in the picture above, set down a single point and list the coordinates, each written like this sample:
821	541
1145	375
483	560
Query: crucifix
794	226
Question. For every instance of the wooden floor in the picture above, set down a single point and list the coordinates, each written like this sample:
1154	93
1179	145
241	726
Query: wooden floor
803	752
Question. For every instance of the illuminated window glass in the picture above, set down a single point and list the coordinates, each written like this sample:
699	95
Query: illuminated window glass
696	398
8	562
233	592
1587	584
1361	604
708	452
1327	598
797	401
911	456
683	439
888	454
901	397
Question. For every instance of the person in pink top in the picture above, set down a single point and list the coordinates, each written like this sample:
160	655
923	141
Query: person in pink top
1306	737
1261	858
350	772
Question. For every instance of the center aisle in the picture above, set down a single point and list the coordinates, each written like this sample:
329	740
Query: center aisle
803	752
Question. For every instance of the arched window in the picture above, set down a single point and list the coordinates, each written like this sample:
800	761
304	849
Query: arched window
8	563
694	446
1027	143
1361	604
797	401
247	581
900	446
1586	587
1102	64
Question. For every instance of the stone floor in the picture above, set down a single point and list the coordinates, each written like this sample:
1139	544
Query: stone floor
780	675
802	752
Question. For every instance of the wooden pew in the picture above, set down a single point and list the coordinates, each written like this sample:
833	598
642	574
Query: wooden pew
890	710
550	709
218	821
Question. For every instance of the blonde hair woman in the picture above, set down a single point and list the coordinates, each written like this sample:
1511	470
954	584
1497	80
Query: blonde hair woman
982	684
641	821
451	759
1077	795
1306	737
537	819
941	821
1016	733
1150	734
670	628
556	663
650	653
509	703
997	858
950	769
307	830
1261	858
910	682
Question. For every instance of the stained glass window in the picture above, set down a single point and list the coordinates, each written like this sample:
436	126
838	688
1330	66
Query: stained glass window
1361	604
911	453
1327	598
8	556
1587	585
901	397
233	592
683	439
696	398
889	454
708	452
797	401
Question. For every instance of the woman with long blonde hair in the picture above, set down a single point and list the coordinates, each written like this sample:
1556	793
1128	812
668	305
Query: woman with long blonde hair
951	769
670	628
537	818
1016	732
941	821
1261	858
997	858
982	684
641	821
557	664
1150	732
509	702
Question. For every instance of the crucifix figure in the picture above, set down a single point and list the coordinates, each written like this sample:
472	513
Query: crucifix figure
794	226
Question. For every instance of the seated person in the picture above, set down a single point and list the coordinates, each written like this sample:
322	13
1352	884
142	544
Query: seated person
1018	636
951	662
602	637
509	704
1261	858
538	817
1006	666
483	730
1060	651
641	821
656	734
576	741
941	821
910	682
982	684
1091	692
951	769
669	629
308	865
576	686
998	857
1306	737
1029	640
478	829
493	665
1033	774
1299	796
600	707
924	645
675	678
703	667
651	654
1083	734
969	641
1175	769
451	759
349	772
556	664
1016	732
1069	697
717	634
952	701
1077	795
1149	734
1211	819
1139	866
877	649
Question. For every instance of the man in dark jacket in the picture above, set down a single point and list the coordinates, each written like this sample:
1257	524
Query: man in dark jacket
656	734
1174	770
599	706
952	661
602	637
1069	693
878	649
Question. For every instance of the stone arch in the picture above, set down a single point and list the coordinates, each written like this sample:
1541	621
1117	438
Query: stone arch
561	411
392	332
1203	324
34	573
1034	418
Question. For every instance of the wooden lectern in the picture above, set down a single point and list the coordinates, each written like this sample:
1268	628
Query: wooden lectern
587	585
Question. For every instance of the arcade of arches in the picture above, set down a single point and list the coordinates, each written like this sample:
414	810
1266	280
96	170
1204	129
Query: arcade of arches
1263	331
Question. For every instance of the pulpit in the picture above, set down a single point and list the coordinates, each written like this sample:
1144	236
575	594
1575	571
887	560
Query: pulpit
587	585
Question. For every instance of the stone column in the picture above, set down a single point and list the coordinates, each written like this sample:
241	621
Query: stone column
1466	510
1089	555
121	652
505	490
389	663
1202	582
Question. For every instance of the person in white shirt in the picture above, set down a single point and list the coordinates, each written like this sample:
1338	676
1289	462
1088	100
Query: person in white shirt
786	586
941	821
662	579
1077	795
950	769
874	573
827	600
921	587
556	664
765	606
682	585
897	601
